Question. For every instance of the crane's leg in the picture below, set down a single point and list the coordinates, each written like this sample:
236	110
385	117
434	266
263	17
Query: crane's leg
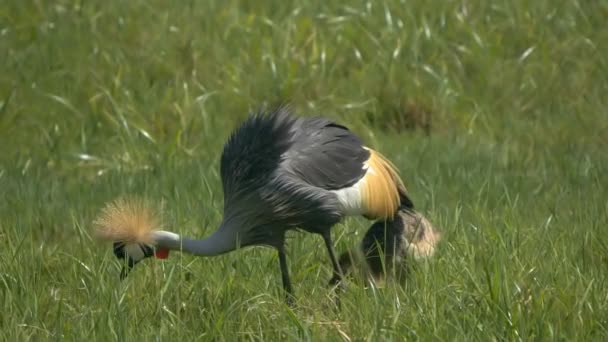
285	275
337	277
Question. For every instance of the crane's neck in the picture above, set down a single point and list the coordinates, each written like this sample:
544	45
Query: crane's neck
218	243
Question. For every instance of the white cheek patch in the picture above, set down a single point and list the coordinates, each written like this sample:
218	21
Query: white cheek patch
134	251
350	198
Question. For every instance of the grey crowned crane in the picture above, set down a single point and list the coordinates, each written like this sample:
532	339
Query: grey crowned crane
279	172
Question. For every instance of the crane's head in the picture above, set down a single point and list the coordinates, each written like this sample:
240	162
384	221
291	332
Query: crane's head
129	225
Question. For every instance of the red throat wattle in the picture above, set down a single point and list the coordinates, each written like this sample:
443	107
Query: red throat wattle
161	253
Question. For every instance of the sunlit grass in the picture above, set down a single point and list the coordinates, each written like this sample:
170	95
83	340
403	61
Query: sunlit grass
103	100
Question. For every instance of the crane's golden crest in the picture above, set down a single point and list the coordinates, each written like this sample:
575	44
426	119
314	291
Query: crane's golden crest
128	220
380	192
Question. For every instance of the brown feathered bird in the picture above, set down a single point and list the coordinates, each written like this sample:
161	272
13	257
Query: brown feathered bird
388	245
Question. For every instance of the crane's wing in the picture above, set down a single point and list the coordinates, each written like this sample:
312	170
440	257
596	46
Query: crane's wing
325	154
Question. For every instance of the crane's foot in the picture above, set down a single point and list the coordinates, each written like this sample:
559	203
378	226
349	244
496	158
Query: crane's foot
290	300
338	287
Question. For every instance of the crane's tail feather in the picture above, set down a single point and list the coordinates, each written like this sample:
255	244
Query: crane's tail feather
383	191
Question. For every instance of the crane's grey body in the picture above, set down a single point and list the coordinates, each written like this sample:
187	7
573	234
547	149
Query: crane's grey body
278	173
281	172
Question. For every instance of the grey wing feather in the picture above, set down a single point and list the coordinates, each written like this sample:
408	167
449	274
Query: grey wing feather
326	155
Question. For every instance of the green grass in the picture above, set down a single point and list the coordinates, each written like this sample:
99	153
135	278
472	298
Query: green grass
99	99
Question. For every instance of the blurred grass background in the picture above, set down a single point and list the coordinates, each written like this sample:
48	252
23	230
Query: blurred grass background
495	112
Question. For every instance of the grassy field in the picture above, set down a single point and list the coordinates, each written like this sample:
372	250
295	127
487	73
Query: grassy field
495	113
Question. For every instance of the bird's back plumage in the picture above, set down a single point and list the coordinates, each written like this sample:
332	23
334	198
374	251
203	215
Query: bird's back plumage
280	172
